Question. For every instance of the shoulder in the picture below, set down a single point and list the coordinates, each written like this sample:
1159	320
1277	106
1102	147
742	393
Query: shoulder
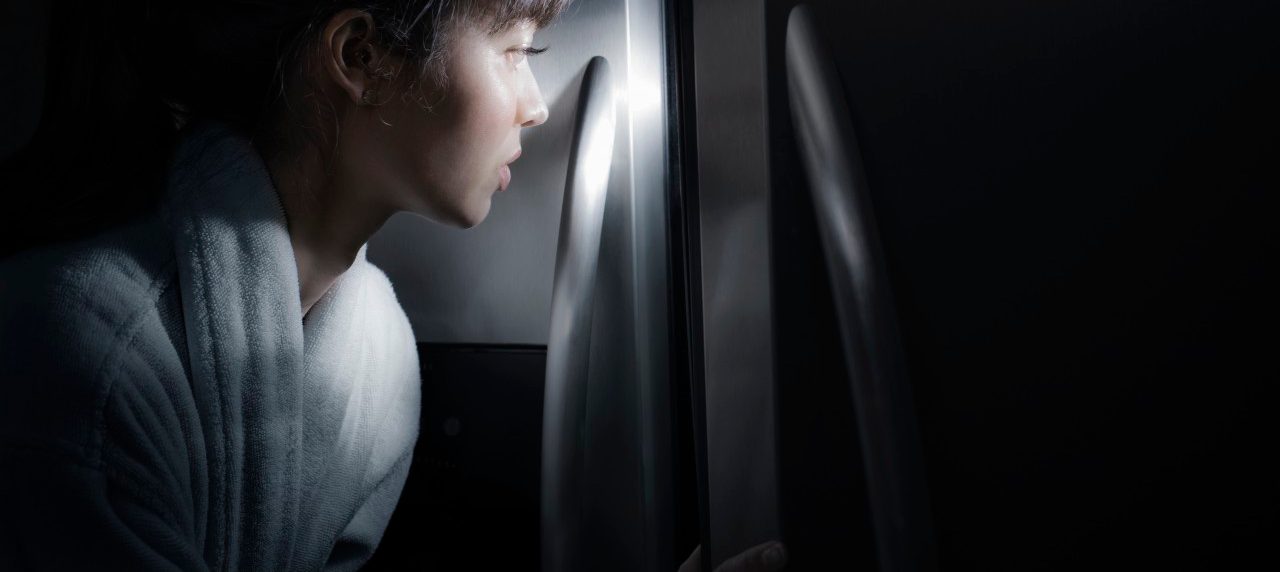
395	349
76	317
81	300
385	307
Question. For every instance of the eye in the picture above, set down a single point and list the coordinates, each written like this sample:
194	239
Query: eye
519	54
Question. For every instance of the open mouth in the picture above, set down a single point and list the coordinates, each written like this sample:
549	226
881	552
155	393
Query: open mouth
504	172
504	177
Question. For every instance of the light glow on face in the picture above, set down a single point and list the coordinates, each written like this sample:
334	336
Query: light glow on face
445	163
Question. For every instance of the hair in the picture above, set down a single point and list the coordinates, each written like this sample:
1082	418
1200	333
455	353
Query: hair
124	80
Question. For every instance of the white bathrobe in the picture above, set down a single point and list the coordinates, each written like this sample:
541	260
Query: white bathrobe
163	405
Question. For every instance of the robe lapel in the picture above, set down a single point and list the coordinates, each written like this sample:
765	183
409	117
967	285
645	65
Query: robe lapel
239	284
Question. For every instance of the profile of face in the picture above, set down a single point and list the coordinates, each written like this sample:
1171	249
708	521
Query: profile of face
445	162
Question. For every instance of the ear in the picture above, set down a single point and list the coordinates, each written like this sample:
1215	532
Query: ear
349	53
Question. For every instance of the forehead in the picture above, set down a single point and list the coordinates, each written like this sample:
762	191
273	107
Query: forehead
500	17
515	27
471	38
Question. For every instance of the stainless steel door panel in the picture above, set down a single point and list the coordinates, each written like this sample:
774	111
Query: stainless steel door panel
733	191
881	394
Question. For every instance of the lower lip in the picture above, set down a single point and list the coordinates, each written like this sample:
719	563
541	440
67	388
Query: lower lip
504	177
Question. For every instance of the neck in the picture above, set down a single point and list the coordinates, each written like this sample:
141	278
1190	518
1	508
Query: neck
329	218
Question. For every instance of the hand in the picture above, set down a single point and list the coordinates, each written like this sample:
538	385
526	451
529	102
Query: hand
767	557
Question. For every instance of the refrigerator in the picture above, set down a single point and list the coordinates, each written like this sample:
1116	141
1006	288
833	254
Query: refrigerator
906	285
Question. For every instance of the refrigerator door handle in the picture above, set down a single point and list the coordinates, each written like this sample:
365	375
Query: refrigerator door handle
868	330
572	296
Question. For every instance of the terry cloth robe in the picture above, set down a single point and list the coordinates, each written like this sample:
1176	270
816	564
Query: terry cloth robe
163	404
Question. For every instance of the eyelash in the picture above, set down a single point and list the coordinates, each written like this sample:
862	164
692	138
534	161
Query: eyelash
532	51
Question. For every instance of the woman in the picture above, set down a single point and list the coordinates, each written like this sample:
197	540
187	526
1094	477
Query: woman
225	382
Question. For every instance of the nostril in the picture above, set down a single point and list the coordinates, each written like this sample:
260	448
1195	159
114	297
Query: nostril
533	122
538	117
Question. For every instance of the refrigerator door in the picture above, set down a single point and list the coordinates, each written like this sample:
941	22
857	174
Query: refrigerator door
880	391
738	384
1071	201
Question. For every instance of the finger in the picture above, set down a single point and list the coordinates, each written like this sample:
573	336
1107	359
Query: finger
767	557
694	562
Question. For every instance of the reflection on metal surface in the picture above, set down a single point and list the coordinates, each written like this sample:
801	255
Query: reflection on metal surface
648	122
573	293
882	398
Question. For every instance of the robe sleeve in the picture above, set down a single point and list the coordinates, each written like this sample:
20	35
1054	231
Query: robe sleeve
356	543
63	513
95	473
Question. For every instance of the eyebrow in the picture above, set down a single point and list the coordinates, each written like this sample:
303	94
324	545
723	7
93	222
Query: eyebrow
514	25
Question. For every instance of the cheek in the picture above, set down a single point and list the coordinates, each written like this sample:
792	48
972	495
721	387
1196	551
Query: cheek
486	121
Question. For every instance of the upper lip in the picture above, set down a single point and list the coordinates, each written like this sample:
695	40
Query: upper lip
513	157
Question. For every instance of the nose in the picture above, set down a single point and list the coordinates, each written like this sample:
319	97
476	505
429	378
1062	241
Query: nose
533	110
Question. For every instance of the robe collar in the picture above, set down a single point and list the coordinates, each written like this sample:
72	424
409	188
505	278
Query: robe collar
253	359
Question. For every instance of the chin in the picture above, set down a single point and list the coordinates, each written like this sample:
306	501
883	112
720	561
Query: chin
463	212
473	216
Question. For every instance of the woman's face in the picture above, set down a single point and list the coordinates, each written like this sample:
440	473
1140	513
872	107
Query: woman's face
446	163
